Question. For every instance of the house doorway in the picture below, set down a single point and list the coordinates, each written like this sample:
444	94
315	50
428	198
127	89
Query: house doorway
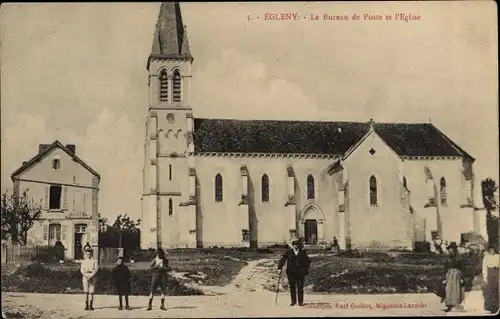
311	231
80	230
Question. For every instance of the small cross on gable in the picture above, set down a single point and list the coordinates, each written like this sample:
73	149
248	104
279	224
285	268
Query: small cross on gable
372	151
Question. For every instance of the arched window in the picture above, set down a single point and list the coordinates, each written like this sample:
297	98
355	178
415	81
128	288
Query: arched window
404	182
170	207
373	191
218	188
310	187
176	81
163	86
442	191
265	188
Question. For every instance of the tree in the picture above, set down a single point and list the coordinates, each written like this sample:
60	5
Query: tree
19	214
124	223
489	187
103	223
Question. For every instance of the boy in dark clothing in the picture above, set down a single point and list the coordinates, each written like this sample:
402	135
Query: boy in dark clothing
297	268
121	279
160	268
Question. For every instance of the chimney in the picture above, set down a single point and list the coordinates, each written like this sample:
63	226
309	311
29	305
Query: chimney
42	147
71	148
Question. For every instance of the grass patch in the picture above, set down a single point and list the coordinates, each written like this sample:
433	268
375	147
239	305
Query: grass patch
216	270
35	278
380	274
204	268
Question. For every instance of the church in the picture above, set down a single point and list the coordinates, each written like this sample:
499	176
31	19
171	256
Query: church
252	183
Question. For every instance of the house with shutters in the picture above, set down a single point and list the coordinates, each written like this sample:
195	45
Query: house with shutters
227	182
68	190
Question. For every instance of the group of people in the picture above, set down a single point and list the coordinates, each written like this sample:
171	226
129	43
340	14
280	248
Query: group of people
121	276
454	279
298	263
296	258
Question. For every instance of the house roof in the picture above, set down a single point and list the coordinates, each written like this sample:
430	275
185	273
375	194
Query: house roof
48	149
316	137
170	39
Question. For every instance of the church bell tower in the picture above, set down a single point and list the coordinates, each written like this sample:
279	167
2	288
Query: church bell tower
168	206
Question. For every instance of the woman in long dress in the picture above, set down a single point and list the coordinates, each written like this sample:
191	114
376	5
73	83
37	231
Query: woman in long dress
454	269
491	262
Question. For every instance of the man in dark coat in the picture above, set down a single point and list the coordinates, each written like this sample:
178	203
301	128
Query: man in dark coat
121	278
297	268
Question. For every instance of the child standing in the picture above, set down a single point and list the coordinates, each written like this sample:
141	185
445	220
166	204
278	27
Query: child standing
121	279
160	268
89	269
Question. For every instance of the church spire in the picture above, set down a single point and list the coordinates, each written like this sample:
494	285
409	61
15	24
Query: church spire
170	40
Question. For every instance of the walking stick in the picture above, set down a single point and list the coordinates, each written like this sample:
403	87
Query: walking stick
278	288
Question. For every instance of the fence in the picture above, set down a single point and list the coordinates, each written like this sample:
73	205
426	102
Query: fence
108	254
16	254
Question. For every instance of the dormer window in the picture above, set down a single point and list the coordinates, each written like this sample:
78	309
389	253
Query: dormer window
56	164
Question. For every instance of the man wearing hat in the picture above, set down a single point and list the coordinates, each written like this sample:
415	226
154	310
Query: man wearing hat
297	268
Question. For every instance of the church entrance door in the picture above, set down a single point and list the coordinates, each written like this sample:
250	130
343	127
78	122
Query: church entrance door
311	231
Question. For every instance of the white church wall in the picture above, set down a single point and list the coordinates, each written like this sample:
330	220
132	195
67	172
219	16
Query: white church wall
324	197
221	220
384	224
273	220
148	222
454	219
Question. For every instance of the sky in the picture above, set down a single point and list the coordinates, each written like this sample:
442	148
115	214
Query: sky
77	73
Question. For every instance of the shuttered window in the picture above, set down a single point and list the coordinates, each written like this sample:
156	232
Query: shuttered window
46	198
177	90
163	86
54	232
55	197
65	197
45	232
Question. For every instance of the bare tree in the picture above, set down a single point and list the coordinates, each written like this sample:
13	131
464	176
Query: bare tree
19	214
